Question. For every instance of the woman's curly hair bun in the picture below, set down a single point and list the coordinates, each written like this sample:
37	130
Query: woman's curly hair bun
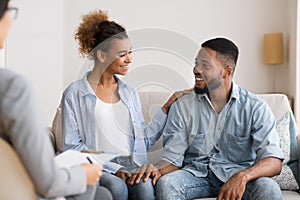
94	29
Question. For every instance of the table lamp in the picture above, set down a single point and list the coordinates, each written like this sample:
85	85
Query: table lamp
273	51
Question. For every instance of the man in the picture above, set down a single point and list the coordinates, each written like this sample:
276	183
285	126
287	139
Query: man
220	141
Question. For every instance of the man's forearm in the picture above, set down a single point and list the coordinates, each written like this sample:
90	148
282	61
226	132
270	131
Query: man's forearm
266	167
165	167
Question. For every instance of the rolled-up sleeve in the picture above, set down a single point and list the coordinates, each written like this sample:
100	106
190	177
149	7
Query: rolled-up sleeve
70	131
175	138
266	142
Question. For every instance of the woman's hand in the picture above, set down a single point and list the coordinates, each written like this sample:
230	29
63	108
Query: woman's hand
93	173
144	173
174	97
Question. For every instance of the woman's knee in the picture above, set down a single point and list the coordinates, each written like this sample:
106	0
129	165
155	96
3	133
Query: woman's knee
143	190
115	185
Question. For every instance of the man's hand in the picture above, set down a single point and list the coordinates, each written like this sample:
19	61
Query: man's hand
123	174
146	171
234	188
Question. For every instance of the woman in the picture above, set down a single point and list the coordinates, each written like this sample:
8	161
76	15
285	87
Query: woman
21	127
101	112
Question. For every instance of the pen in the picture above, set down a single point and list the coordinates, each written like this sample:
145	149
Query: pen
89	160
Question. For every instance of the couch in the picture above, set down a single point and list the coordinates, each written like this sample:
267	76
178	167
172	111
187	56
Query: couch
15	176
286	125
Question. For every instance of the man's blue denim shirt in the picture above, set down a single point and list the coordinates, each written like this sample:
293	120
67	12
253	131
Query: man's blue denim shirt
197	138
78	119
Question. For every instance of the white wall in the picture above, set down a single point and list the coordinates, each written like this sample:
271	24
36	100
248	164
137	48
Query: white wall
2	58
41	45
297	64
292	55
244	22
34	50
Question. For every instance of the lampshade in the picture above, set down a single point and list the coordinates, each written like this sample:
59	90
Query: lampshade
273	48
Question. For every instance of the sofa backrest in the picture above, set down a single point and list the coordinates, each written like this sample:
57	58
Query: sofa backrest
278	103
152	101
56	132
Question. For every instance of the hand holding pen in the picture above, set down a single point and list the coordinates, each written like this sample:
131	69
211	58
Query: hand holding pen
93	172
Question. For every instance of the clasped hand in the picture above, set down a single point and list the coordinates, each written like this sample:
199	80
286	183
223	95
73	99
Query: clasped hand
142	173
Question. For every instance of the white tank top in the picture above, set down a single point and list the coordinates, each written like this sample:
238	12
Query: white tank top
113	128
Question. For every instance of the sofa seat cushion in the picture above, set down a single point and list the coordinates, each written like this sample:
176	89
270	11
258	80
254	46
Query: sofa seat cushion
286	195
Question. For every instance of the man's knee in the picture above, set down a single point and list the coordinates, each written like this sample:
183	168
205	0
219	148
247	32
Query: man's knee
165	182
263	189
166	185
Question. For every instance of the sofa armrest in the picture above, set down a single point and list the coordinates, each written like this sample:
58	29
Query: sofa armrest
15	183
52	138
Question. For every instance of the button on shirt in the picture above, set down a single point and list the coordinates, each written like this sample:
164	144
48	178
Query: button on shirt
197	138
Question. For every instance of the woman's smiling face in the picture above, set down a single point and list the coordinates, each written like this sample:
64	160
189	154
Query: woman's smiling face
119	56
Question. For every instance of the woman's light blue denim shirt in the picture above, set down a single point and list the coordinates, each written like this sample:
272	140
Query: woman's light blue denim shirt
78	119
196	138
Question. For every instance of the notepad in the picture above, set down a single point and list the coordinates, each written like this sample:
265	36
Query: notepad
71	158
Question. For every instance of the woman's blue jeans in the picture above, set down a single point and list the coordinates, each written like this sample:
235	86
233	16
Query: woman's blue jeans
123	191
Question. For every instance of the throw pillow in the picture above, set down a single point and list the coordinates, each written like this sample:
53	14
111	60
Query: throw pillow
286	179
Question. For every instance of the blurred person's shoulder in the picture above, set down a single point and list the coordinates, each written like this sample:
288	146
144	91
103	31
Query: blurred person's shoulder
11	81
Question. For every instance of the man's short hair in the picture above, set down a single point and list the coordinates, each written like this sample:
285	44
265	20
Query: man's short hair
227	51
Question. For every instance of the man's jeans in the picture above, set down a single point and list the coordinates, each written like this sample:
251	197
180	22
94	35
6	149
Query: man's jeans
184	185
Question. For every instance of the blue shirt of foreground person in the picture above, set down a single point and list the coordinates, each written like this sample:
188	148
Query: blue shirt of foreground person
222	137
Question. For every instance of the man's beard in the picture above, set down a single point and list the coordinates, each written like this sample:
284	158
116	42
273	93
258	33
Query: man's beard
201	90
